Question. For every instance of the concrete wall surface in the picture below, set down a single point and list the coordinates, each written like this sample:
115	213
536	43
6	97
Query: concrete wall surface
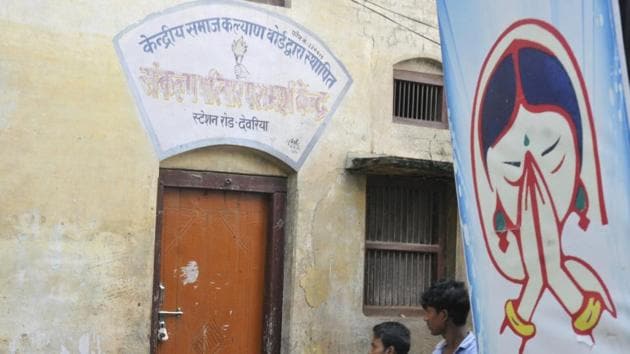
78	177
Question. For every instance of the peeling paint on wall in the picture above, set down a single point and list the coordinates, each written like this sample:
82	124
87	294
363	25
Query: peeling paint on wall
52	267
316	348
56	247
90	343
8	98
316	285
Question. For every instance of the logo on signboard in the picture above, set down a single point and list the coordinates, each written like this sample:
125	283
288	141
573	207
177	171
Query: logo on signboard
228	73
239	48
536	172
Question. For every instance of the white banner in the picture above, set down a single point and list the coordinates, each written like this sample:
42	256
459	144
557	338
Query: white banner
227	73
538	108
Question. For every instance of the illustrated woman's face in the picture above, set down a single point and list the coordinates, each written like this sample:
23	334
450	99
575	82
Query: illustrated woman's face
543	144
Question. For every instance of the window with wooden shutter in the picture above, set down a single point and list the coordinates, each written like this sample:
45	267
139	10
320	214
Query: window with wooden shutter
419	99
405	241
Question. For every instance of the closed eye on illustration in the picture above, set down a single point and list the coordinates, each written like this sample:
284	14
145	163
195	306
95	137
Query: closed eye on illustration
513	163
550	149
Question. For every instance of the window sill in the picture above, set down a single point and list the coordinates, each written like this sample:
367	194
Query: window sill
390	311
398	166
421	123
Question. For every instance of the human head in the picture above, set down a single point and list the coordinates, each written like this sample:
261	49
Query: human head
390	338
445	302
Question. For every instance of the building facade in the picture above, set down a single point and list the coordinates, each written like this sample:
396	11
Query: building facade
346	239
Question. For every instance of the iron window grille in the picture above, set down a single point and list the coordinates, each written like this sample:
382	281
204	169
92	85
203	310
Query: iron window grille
405	238
419	99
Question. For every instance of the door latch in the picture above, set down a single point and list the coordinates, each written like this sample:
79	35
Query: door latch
162	332
161	295
177	313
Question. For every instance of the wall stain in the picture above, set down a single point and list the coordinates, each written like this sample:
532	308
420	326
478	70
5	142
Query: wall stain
316	348
316	285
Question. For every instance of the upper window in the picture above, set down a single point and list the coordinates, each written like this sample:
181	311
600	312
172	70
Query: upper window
406	238
419	99
284	3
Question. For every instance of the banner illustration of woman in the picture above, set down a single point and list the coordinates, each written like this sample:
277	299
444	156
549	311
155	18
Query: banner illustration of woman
535	163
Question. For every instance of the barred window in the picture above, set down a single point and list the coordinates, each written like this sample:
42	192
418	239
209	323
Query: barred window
419	99
405	241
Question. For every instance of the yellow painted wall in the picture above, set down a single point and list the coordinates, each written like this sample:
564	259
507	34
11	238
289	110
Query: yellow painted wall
78	178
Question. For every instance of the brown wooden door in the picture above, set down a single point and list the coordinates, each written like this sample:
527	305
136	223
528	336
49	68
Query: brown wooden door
213	247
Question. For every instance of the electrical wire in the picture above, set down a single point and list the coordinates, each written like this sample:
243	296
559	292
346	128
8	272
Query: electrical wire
401	15
398	23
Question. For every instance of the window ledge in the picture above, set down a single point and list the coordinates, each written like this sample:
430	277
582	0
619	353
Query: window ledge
398	166
391	311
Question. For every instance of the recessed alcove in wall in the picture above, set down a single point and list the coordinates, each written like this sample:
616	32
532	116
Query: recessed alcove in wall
421	65
228	158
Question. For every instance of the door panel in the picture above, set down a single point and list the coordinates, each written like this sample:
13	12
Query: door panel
213	246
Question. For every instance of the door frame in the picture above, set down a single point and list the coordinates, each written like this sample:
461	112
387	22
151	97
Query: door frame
276	189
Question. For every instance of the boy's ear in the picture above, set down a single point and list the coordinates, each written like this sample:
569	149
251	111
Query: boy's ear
390	350
444	314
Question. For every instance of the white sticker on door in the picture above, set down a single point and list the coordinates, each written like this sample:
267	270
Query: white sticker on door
189	273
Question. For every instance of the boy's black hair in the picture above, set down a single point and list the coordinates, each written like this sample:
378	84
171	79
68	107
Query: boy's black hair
393	334
449	295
